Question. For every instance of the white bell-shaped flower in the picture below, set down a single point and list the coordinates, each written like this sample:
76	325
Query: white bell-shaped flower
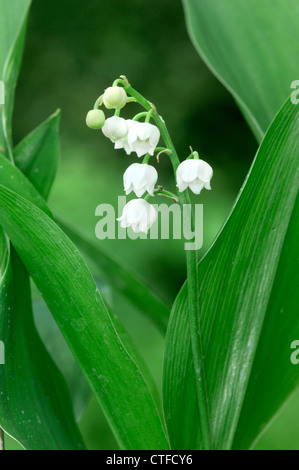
116	129
140	177
124	143
194	174
143	138
139	215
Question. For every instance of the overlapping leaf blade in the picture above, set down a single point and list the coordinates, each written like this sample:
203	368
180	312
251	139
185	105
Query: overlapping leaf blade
35	403
12	178
62	356
251	46
75	302
32	156
13	19
37	155
235	281
121	279
242	45
274	377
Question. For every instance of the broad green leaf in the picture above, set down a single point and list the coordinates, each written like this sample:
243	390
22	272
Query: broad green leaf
32	389
11	177
61	353
75	302
25	150
236	278
13	19
38	154
274	377
251	47
121	279
63	357
11	22
138	359
29	372
35	403
254	37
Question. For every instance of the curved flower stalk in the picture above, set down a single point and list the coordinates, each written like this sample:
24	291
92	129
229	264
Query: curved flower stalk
193	173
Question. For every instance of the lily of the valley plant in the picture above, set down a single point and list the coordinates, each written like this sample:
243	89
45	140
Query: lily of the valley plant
226	366
142	138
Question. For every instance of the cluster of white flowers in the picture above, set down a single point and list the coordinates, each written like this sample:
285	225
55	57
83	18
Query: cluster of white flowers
142	138
138	213
133	136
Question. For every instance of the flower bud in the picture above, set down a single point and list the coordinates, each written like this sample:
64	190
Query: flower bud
114	97
95	119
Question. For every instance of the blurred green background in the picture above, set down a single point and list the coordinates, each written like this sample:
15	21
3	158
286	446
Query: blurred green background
74	50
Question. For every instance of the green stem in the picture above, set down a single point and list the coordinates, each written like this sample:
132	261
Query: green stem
161	149
149	115
131	100
193	156
163	192
193	296
146	158
139	116
98	102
